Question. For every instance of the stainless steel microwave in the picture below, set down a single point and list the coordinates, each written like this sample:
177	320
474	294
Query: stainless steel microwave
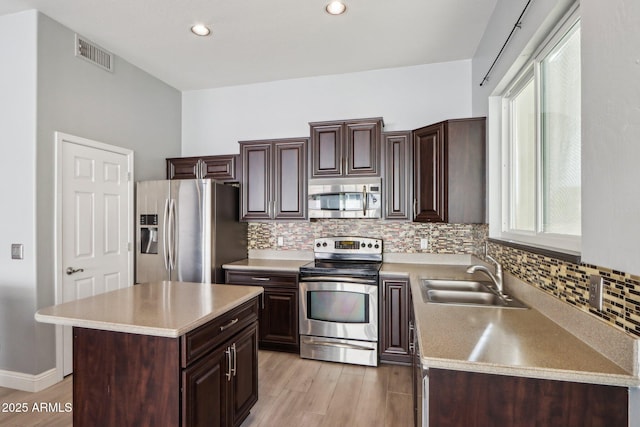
345	198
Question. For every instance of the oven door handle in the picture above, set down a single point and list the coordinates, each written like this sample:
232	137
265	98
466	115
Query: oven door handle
339	344
338	279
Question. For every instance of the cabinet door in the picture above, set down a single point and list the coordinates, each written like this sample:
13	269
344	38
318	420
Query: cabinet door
430	174
221	168
397	175
256	181
205	391
183	168
244	380
326	150
290	179
362	149
394	339
279	320
466	164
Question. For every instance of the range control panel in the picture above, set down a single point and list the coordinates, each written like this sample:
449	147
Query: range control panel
347	245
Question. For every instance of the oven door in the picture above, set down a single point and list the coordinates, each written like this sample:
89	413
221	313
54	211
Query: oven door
339	308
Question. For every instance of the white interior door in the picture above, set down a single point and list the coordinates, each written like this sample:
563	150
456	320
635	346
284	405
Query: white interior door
96	196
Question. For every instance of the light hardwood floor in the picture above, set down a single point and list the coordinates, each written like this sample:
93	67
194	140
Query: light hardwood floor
293	392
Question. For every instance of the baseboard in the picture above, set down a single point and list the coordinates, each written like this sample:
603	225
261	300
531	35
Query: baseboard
28	382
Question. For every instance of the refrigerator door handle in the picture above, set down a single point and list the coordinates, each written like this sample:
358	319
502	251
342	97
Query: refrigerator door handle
172	234
165	223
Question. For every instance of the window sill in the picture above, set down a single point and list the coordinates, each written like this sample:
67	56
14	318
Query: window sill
567	256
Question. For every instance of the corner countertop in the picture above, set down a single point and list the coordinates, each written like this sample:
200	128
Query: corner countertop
164	309
264	264
500	341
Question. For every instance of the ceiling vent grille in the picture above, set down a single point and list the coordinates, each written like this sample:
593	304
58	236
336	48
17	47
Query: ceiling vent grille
93	53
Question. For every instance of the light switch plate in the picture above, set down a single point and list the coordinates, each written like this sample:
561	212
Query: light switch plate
280	241
595	291
17	251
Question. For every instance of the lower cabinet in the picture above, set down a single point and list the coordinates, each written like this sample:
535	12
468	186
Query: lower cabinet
279	307
394	320
206	377
460	398
221	388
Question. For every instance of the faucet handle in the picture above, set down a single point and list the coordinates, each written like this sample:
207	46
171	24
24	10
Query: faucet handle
497	264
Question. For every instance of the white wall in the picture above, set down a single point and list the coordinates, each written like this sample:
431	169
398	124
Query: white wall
611	134
127	108
45	88
610	115
215	120
17	188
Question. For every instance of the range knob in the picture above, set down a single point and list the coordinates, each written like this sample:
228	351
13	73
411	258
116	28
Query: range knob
318	244
376	246
363	245
369	245
324	244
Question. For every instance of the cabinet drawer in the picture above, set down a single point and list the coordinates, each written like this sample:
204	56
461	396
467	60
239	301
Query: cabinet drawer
262	278
205	338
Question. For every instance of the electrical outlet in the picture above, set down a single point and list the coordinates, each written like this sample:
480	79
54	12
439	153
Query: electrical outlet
280	241
595	291
424	243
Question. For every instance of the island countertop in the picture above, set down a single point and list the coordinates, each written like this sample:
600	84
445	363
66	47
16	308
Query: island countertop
164	309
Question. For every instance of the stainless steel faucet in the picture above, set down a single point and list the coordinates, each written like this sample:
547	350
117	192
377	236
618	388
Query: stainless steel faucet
496	279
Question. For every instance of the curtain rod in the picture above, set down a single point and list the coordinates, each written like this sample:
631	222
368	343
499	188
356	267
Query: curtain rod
516	26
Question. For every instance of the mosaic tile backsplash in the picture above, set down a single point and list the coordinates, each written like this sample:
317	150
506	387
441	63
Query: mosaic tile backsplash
570	283
397	237
566	281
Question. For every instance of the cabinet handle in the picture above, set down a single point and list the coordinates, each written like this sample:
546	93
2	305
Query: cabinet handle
202	169
412	333
234	370
415	208
261	279
228	373
233	322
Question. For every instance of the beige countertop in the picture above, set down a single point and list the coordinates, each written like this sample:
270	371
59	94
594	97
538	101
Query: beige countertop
491	340
166	309
262	264
501	341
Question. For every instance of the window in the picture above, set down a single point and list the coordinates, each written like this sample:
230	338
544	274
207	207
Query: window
541	145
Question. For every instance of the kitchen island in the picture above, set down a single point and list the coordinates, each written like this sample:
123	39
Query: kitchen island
163	354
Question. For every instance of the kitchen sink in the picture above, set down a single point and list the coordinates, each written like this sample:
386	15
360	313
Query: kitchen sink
465	293
455	285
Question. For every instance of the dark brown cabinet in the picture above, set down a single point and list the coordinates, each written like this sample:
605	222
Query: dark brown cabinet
394	314
274	179
449	172
468	398
396	148
220	387
346	148
207	377
279	309
222	168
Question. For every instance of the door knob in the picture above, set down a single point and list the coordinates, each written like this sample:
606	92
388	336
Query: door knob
71	270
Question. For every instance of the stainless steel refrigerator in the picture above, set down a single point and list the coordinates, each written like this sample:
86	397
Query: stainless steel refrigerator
186	229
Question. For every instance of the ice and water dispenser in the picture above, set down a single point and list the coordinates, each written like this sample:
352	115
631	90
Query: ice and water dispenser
149	234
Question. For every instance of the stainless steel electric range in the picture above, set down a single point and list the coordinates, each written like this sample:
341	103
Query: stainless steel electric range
339	301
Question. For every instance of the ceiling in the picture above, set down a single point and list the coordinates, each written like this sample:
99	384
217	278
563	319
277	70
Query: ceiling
258	40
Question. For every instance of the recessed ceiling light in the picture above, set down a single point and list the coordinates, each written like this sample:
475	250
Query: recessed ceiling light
336	8
200	30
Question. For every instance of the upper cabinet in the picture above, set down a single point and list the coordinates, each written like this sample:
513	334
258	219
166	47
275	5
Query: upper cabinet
222	168
346	148
274	179
449	172
396	149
